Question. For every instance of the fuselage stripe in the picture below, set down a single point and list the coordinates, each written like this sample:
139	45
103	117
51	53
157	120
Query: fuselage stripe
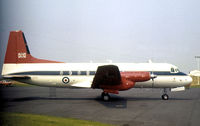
160	73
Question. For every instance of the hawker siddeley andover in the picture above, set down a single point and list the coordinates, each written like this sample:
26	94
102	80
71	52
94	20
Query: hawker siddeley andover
20	65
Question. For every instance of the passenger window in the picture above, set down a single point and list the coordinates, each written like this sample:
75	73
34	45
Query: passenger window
74	72
92	72
66	73
83	73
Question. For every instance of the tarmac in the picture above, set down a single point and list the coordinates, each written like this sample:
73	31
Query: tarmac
135	107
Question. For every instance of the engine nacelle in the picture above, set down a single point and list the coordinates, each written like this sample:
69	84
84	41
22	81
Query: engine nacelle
138	76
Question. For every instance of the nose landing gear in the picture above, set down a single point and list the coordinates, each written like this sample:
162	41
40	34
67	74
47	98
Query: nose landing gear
165	96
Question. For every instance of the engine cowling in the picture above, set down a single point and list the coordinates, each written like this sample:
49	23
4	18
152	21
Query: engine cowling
138	76
128	80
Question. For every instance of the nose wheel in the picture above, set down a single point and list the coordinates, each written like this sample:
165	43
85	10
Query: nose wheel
165	96
105	96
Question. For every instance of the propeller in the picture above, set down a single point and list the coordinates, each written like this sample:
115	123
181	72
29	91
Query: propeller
153	76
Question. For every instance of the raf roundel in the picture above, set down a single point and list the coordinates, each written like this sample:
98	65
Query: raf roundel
65	80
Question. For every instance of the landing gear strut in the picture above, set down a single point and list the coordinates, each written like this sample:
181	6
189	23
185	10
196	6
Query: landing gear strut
105	96
165	96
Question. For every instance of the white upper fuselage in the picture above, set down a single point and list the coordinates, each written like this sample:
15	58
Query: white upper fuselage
15	68
82	74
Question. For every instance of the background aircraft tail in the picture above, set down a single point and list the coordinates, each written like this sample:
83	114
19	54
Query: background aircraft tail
18	51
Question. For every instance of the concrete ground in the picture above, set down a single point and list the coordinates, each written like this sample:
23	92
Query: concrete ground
135	107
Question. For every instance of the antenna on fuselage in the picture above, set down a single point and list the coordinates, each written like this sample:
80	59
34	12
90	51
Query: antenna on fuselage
150	61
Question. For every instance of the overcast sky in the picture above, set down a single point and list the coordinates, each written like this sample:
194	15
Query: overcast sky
101	30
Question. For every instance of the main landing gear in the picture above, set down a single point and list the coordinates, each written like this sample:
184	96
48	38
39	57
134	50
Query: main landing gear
165	96
105	96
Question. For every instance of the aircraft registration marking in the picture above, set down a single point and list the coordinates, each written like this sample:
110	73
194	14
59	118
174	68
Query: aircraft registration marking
21	55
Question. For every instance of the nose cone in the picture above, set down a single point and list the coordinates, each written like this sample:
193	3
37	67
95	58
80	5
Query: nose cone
189	80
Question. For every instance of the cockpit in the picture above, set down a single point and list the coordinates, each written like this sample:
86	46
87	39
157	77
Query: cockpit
174	70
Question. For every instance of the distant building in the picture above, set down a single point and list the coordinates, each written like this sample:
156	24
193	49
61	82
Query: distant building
195	74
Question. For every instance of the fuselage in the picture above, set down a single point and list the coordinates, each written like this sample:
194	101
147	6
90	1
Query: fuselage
82	74
20	65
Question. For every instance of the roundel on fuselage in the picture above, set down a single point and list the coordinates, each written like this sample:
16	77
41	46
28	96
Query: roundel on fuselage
65	80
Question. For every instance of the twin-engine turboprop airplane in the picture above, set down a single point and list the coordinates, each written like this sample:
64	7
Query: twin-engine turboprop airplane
20	65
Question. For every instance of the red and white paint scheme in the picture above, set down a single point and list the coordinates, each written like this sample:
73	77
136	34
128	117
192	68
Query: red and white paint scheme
20	65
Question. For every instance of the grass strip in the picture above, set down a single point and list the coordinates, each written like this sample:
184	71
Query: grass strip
21	119
195	86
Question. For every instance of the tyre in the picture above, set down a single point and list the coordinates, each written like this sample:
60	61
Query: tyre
165	97
105	96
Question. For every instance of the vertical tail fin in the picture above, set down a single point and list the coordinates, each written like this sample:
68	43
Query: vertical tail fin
18	51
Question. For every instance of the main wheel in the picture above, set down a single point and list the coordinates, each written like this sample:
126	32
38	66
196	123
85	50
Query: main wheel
165	97
105	96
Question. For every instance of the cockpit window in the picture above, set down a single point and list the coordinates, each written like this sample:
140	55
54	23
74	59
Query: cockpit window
177	70
172	70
